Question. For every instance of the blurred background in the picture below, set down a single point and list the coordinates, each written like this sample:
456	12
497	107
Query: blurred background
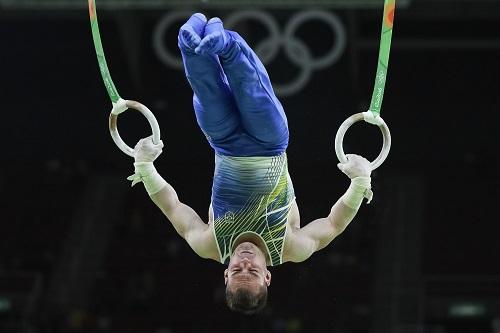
81	251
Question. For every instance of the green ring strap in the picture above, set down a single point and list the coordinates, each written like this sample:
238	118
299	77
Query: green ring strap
103	66
383	57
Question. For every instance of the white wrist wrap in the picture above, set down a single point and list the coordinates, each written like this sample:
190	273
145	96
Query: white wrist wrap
359	189
146	172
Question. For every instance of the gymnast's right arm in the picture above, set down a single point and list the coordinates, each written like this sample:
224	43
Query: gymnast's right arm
185	220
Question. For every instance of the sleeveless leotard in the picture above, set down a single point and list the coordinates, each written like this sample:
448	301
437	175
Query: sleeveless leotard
251	195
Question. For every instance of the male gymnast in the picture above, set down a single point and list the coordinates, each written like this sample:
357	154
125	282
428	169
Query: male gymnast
253	219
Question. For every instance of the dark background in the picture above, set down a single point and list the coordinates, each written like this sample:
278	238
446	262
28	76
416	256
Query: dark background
81	251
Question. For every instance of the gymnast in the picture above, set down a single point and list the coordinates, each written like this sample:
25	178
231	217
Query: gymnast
253	219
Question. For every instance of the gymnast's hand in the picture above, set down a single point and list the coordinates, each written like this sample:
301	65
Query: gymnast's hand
146	151
356	166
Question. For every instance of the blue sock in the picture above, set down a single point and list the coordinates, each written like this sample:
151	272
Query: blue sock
215	39
191	32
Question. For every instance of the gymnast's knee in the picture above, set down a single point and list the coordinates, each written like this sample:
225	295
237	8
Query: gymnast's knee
276	141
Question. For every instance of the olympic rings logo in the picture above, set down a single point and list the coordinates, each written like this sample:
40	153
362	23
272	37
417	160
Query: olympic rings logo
297	51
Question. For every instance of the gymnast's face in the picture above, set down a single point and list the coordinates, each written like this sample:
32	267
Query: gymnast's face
247	268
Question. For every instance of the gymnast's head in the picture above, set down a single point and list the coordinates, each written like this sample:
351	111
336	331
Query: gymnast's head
247	279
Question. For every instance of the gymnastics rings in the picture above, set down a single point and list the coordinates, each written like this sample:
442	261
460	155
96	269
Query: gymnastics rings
370	118
121	106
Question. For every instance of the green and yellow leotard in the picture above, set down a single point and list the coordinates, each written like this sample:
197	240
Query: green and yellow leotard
251	195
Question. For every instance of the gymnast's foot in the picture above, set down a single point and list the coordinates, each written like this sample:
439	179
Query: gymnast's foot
191	32
215	39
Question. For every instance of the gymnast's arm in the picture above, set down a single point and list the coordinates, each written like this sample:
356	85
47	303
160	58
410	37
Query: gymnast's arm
319	233
184	219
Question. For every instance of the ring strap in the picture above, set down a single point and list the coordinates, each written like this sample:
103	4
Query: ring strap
103	66
383	57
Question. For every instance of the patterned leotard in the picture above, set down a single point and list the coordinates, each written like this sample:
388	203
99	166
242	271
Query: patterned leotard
251	195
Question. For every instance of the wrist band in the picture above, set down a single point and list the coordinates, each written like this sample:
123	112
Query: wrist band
359	189
146	173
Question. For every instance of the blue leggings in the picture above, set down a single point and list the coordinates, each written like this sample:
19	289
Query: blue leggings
234	101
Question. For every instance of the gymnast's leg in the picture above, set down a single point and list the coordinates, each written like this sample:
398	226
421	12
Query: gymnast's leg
262	115
214	104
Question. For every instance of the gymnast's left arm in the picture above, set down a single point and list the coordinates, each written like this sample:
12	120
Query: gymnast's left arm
319	233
